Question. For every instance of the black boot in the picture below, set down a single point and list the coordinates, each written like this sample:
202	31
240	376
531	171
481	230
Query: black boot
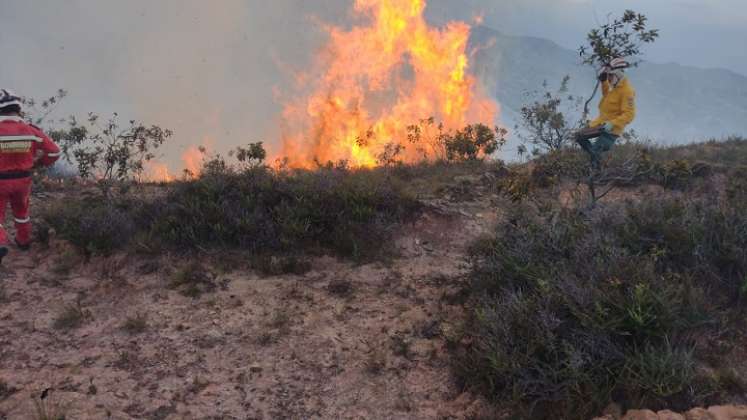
585	144
3	252
21	246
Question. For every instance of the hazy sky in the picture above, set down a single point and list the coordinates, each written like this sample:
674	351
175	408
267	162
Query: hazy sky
703	33
217	68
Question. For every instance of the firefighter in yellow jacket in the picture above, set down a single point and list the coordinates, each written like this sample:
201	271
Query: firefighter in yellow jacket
616	111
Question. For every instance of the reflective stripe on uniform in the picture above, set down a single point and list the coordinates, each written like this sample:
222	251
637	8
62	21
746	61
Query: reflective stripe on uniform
58	154
20	138
23	221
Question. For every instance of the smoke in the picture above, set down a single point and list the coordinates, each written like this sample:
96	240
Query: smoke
209	71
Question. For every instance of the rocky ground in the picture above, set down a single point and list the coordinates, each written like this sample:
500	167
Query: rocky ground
713	413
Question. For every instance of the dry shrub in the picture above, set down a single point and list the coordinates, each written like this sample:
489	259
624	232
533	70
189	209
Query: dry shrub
575	309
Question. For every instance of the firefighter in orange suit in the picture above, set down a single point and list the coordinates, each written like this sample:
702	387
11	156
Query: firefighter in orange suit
22	148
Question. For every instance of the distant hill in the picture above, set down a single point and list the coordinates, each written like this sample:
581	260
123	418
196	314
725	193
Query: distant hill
676	104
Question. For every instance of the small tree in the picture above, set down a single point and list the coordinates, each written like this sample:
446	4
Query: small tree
429	138
621	37
111	151
390	156
545	122
251	156
474	142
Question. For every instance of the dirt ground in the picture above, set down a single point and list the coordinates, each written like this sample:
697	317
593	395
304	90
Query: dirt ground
341	342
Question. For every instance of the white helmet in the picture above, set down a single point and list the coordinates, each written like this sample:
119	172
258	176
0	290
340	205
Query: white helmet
618	63
8	98
615	68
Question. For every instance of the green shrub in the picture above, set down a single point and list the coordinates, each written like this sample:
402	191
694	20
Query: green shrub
659	373
572	310
474	142
350	213
95	225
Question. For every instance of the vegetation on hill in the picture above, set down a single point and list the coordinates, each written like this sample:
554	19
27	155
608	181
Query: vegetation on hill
258	210
634	301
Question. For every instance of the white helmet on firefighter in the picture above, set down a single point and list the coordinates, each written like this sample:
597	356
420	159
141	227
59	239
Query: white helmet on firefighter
8	98
618	63
614	71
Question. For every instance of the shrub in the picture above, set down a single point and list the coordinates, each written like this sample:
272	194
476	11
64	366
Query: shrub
434	143
474	142
255	209
136	324
112	151
193	280
545	123
71	317
572	309
94	225
347	212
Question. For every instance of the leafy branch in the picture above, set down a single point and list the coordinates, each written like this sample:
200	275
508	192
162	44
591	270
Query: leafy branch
622	37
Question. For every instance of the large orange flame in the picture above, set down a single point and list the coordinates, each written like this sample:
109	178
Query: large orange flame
374	80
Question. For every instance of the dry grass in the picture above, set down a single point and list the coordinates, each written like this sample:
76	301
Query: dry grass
71	316
136	324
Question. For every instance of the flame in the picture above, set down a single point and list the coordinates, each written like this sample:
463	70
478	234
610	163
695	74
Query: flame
192	160
376	79
194	157
156	171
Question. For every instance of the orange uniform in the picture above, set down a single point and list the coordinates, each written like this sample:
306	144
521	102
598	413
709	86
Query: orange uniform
22	146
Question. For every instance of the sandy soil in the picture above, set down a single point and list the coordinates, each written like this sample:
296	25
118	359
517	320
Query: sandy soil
341	342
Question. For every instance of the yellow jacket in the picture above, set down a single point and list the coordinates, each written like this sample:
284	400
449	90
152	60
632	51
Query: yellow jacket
617	106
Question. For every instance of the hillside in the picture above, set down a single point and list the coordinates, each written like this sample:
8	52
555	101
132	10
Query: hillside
677	104
387	293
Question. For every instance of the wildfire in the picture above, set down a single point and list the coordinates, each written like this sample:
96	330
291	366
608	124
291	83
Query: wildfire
157	172
192	159
376	79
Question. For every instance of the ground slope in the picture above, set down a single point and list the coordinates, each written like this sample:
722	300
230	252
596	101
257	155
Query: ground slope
343	341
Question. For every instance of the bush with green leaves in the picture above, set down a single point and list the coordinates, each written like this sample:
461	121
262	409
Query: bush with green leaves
434	142
111	151
619	37
574	309
103	150
474	142
547	122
